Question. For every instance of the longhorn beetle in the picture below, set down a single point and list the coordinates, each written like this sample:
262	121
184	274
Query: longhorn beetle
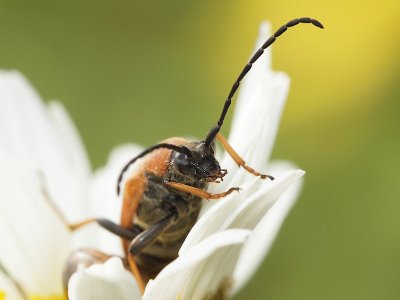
162	198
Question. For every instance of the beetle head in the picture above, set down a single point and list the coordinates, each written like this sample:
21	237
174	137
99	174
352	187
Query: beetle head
201	164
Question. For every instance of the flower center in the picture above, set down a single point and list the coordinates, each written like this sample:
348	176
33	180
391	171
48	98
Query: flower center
38	297
3	296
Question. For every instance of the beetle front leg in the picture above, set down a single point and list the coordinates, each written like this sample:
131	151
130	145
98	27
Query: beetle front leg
144	239
198	192
240	161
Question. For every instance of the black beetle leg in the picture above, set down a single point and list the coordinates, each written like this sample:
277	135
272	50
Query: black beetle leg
148	236
142	240
108	225
117	229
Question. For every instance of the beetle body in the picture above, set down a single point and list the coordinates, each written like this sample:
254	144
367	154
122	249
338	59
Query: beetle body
158	201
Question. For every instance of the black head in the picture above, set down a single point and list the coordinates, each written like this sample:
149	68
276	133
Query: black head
200	165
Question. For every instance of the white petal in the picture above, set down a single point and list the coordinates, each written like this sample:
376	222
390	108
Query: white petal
256	117
104	197
42	141
212	221
103	281
258	245
74	149
225	213
8	289
253	209
201	271
34	241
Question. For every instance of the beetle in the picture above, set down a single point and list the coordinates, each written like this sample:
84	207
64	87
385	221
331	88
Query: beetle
162	197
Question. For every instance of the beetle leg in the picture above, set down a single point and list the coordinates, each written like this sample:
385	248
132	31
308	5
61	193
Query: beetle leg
142	240
57	211
80	224
198	192
136	273
238	159
118	229
107	225
149	235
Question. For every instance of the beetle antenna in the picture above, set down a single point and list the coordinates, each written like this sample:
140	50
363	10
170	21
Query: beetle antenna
180	149
216	128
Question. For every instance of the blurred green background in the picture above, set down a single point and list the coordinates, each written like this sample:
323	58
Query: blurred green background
136	71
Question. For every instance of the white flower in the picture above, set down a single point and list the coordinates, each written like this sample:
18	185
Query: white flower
41	158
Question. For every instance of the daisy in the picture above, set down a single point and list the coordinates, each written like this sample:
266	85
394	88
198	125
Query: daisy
42	161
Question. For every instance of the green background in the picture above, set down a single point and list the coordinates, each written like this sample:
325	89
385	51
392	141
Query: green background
130	71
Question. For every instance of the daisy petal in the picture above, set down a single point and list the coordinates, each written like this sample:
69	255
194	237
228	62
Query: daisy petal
34	241
258	245
205	270
104	182
212	221
253	209
245	209
75	151
103	282
42	141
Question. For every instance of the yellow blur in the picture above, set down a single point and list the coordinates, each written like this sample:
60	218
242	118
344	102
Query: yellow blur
332	70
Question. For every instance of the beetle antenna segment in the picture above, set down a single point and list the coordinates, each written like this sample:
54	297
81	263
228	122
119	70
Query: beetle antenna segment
216	128
180	149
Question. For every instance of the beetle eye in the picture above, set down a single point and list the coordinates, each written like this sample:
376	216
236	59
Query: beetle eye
182	163
182	158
